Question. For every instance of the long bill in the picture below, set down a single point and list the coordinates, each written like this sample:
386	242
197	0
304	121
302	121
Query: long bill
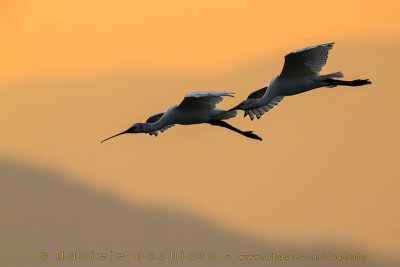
114	136
235	108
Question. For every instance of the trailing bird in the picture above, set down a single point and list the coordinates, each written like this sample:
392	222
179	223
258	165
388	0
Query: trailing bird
300	74
196	108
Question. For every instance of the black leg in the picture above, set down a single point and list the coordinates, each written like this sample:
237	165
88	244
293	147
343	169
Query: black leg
248	134
348	83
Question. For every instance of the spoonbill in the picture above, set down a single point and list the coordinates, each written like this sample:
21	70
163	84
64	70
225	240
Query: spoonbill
196	108
300	74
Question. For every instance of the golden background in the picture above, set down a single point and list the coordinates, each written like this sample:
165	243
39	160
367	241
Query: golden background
75	72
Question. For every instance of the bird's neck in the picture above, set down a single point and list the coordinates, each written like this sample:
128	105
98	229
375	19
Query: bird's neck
152	127
272	91
155	126
270	94
166	119
259	102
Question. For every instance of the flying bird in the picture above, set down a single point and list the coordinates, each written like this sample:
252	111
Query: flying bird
196	108
300	74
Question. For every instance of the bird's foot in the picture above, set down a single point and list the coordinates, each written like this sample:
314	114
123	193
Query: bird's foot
360	82
252	135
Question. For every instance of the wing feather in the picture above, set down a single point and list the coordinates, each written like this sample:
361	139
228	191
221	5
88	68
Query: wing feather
251	114
258	93
155	117
306	61
198	100
258	112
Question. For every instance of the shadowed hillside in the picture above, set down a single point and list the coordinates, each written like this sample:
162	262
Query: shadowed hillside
40	211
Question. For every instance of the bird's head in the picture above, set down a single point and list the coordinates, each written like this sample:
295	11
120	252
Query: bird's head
246	104
136	128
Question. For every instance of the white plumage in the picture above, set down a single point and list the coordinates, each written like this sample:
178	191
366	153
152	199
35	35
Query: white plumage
306	61
195	108
300	73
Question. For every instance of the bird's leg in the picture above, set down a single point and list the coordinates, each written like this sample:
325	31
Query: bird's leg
224	124
348	83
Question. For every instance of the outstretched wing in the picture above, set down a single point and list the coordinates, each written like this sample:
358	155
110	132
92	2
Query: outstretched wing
306	61
258	112
155	117
202	100
258	93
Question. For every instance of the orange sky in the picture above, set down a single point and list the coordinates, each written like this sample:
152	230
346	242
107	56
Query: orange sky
75	72
59	37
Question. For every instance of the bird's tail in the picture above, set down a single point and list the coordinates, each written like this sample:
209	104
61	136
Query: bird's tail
338	74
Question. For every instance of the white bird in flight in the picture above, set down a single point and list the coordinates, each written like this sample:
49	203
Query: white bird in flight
300	74
196	108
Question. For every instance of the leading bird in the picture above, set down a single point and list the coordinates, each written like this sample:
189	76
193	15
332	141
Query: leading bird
300	74
196	108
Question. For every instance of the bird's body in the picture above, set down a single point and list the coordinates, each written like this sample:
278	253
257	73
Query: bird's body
196	108
287	86
176	115
299	74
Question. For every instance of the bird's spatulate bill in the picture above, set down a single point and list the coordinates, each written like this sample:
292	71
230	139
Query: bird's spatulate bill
114	136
